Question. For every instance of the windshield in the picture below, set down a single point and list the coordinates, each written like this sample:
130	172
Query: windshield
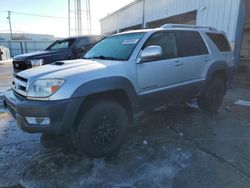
118	47
61	44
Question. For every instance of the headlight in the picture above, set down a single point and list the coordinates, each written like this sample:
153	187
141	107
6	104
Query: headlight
36	62
44	88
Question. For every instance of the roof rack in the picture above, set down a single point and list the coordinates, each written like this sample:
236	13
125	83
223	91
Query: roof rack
187	26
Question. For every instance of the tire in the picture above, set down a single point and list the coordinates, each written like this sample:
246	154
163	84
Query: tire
212	99
102	128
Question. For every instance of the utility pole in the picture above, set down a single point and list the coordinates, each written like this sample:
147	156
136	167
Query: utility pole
11	35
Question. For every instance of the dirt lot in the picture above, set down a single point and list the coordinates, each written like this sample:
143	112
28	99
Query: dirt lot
179	146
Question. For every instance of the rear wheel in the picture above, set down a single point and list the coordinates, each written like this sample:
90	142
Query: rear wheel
212	99
102	128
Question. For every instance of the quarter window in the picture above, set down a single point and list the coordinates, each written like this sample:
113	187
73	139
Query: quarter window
82	42
220	41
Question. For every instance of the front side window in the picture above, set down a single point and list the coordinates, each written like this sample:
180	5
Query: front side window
190	43
61	44
167	41
117	47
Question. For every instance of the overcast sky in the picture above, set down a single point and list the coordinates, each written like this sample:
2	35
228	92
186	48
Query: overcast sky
57	8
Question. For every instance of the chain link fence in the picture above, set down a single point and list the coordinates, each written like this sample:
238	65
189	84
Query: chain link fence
17	47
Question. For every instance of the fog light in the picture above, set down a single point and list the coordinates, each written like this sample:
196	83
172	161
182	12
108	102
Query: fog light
38	120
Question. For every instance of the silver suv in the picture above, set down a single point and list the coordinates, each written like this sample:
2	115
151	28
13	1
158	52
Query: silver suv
94	98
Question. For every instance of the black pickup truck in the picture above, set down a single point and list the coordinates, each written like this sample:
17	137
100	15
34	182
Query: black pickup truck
65	49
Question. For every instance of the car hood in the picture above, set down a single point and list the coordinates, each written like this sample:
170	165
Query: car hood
38	54
70	70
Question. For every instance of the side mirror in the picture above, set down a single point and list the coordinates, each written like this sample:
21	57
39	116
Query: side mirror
151	53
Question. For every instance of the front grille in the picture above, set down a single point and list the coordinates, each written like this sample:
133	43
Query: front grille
21	65
21	78
19	85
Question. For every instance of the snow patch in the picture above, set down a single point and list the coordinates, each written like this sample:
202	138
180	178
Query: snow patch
157	173
242	103
145	169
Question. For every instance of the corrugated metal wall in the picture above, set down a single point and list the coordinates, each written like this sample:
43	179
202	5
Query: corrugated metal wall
125	18
131	16
221	14
245	48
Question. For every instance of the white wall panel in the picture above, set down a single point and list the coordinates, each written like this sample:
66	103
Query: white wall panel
126	17
131	16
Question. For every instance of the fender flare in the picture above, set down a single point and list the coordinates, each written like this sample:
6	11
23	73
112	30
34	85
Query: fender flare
217	66
106	84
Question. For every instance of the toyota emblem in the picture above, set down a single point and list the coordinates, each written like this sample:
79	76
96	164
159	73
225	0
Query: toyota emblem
17	65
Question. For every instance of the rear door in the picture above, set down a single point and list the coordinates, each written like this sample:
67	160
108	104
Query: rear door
194	56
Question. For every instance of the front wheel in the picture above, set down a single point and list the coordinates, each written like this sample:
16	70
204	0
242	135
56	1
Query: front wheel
212	99
102	128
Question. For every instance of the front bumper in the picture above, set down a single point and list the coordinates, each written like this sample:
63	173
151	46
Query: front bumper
62	113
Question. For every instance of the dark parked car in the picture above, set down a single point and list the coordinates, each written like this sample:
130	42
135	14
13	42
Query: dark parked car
65	49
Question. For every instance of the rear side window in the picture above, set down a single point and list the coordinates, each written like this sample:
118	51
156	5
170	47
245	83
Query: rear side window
82	42
220	41
190	43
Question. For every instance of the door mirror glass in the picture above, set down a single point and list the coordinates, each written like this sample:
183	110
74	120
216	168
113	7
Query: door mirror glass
151	53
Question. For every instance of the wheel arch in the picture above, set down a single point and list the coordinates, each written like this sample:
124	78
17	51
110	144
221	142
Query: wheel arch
217	69
116	89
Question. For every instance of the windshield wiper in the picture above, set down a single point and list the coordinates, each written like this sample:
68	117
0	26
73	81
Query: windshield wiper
107	58
103	57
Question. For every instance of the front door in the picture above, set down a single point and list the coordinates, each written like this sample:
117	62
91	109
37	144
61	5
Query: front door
163	72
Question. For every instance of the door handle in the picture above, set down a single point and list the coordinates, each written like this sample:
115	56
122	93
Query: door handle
206	59
178	64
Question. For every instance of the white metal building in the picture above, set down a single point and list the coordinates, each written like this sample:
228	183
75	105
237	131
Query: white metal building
226	15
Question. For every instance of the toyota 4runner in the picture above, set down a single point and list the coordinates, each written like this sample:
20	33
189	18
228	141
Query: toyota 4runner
94	98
